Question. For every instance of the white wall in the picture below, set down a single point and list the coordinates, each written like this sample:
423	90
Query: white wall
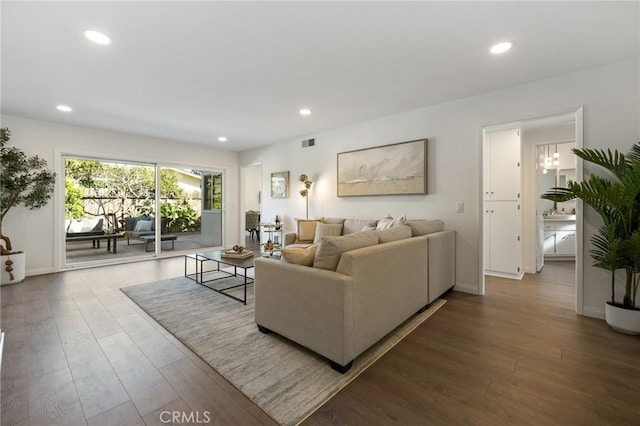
251	187
610	95
31	231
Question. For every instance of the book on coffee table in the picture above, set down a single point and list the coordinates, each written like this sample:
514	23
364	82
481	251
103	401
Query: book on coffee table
235	255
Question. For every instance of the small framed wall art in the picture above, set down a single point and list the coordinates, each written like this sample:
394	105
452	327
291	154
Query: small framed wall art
280	184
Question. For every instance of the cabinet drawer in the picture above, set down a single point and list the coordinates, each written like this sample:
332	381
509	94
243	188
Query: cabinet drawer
565	226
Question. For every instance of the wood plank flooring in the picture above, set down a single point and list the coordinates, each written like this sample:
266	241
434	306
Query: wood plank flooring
78	351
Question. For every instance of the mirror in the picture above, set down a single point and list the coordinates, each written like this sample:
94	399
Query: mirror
564	176
546	181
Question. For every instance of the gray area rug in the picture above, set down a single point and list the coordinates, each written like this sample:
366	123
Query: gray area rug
286	380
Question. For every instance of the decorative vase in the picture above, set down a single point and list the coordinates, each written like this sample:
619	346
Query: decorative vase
622	319
16	262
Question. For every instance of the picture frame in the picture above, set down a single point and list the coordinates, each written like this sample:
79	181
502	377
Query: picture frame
280	184
394	169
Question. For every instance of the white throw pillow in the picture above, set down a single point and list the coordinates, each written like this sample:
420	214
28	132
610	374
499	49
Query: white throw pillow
384	223
389	222
143	225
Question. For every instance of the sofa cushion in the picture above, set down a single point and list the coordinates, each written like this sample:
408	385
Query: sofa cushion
307	229
85	226
356	225
424	227
394	234
327	230
143	225
331	248
300	255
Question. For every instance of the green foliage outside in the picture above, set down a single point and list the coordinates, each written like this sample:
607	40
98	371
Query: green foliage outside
181	218
73	200
128	190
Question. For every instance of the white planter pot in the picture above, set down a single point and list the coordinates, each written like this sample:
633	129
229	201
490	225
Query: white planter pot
621	319
19	265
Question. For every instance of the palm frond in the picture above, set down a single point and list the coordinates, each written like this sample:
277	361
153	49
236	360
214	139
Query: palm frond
615	161
634	153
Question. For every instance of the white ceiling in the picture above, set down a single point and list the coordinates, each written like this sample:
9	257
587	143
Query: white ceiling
192	71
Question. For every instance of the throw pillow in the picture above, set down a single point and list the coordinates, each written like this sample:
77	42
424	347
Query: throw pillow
389	222
307	229
394	234
331	248
424	227
357	225
334	220
299	255
327	230
143	225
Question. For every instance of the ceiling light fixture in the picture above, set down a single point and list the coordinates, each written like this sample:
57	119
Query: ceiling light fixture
97	37
64	108
305	111
222	139
496	49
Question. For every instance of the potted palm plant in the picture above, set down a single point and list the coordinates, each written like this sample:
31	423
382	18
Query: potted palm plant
23	181
616	198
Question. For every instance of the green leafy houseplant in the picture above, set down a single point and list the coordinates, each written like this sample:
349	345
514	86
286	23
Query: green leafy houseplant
616	198
23	180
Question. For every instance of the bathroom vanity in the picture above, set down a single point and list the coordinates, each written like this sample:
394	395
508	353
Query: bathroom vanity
560	237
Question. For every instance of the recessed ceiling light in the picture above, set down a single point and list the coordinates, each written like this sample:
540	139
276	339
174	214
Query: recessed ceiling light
305	111
97	37
222	139
64	108
501	47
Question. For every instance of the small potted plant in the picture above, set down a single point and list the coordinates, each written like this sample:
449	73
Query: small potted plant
616	198
23	181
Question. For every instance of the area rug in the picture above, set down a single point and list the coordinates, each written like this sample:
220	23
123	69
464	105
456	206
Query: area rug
284	379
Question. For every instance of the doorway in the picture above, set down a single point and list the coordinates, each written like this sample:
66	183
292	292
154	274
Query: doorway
250	203
555	223
535	132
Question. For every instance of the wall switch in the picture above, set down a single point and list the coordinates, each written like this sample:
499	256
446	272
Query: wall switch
459	207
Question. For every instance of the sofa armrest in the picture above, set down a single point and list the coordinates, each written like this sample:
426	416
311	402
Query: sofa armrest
442	262
290	238
307	305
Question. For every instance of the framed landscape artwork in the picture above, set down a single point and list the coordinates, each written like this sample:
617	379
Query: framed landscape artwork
280	185
396	169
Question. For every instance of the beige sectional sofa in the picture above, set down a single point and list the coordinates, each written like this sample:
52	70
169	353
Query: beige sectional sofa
352	297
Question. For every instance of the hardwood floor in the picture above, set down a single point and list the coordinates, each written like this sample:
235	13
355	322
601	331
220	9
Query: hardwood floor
78	352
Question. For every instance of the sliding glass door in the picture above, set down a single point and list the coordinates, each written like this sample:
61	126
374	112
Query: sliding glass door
111	210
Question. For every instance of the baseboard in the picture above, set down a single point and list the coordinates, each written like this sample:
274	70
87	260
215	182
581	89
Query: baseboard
39	271
517	276
466	288
592	312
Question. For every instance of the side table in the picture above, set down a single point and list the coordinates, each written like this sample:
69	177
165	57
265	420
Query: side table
273	242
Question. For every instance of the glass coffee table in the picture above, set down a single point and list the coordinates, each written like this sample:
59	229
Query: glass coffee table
216	256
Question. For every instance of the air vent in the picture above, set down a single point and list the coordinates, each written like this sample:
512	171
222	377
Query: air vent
308	142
